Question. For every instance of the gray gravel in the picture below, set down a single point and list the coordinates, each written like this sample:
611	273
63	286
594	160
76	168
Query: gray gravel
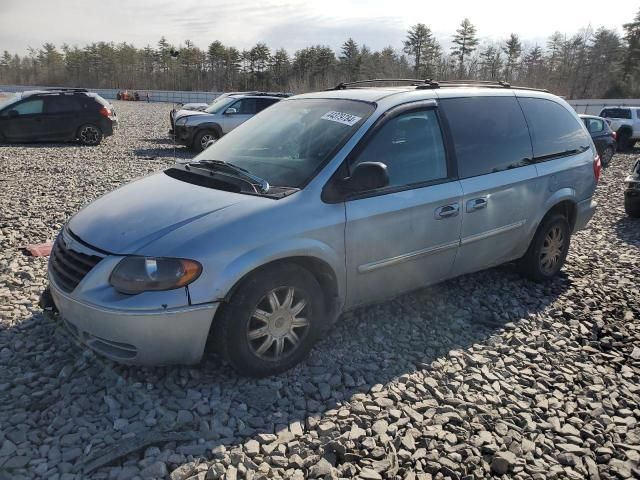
485	375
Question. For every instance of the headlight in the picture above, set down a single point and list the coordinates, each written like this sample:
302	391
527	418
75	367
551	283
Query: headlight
141	274
181	121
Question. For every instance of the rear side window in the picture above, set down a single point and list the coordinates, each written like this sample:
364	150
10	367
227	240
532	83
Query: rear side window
246	106
262	103
62	104
411	147
554	130
489	134
594	125
616	113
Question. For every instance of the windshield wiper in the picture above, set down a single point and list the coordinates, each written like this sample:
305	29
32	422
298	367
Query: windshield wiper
263	185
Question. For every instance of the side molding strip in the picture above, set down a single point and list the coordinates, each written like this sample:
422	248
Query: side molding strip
405	257
490	233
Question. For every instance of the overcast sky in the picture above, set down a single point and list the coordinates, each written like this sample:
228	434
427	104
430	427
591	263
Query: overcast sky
292	24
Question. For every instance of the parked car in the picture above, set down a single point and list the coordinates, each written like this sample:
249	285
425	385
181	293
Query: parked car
625	121
196	129
324	202
632	192
603	137
200	106
61	114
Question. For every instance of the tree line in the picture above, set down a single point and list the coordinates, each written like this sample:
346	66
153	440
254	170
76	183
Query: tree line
593	63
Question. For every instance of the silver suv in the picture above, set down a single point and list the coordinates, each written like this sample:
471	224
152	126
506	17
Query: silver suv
196	128
323	202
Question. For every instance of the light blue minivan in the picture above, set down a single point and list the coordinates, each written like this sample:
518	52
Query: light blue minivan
321	203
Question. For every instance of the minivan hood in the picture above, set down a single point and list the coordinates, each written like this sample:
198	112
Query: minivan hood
127	219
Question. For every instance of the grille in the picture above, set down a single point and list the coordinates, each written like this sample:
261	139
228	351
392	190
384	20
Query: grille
68	266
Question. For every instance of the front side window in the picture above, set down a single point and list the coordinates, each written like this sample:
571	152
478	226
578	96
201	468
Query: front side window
29	107
554	130
411	147
219	104
288	142
489	134
246	106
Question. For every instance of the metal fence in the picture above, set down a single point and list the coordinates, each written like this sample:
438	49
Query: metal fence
154	95
588	106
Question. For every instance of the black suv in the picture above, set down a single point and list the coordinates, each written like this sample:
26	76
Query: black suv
56	114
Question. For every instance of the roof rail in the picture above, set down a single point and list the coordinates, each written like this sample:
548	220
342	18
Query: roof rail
412	81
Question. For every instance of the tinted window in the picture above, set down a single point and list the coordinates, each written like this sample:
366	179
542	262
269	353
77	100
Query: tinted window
616	113
489	134
554	130
262	103
62	104
28	107
411	146
246	106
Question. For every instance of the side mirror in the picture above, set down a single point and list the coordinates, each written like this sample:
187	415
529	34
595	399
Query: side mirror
12	113
230	111
367	176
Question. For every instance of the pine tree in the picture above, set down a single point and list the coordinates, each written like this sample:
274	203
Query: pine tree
465	42
423	48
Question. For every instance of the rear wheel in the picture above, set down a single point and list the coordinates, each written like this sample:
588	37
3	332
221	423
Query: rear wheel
548	250
632	207
89	134
202	138
624	140
271	321
607	155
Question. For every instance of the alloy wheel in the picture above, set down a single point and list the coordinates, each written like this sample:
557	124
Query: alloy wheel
205	140
89	134
552	250
278	324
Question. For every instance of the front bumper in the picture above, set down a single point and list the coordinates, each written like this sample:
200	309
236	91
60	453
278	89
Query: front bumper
585	210
141	337
182	134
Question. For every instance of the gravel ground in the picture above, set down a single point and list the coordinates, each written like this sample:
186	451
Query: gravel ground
484	375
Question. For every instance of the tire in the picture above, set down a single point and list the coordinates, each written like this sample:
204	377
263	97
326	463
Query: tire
607	155
90	134
548	249
632	208
202	138
624	141
254	340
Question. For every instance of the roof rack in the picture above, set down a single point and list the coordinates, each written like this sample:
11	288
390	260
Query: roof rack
412	81
429	83
65	89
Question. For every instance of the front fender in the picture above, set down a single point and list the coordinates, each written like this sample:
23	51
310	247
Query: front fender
238	268
209	126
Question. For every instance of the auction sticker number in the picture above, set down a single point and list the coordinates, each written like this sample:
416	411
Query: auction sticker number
340	117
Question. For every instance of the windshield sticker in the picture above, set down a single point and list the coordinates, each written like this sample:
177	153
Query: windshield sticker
344	118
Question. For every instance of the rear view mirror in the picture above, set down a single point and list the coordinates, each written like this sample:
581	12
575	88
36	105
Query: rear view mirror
231	111
368	176
12	113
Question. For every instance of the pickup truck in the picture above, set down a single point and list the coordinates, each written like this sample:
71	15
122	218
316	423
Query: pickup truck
625	121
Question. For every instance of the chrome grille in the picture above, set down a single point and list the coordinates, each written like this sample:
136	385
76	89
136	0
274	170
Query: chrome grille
68	266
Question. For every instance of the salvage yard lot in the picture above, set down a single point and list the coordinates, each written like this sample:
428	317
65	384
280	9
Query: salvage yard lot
486	374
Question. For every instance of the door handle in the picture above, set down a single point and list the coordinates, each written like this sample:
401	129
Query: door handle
477	204
447	211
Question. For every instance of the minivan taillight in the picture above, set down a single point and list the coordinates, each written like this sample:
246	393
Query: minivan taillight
105	112
597	167
614	135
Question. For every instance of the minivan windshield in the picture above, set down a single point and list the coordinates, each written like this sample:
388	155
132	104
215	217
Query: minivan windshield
219	104
288	142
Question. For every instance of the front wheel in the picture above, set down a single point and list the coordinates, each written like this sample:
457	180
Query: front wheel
271	321
548	250
89	135
202	139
